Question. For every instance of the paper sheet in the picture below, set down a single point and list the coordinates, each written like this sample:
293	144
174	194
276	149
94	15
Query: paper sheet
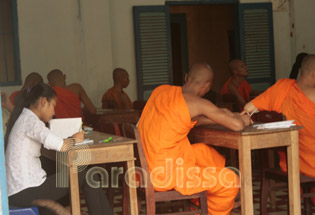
279	124
65	127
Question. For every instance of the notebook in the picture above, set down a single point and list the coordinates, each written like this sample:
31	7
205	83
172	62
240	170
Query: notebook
66	127
271	125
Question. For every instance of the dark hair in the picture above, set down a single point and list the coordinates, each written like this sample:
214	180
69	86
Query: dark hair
26	98
297	65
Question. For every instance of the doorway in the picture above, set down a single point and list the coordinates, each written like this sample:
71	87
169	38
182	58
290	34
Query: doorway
210	37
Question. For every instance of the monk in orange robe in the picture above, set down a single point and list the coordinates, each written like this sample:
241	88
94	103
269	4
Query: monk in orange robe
296	100
237	85
69	97
174	163
31	80
115	97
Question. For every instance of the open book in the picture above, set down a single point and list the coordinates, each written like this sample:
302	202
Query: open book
66	127
280	124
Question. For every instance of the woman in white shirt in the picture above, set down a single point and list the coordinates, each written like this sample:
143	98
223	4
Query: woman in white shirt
26	132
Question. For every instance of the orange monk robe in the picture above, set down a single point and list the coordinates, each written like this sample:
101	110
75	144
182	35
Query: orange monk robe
13	95
244	89
68	104
176	164
286	97
112	96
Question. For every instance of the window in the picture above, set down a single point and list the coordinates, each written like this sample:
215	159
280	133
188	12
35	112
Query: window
153	48
253	34
9	48
256	43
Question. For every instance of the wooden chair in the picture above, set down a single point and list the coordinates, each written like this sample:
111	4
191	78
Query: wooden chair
152	197
139	104
229	98
271	175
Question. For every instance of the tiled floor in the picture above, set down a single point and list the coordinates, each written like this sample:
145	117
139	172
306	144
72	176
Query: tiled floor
280	209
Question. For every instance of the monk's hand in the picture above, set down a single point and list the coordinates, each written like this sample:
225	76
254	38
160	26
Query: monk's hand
246	119
245	112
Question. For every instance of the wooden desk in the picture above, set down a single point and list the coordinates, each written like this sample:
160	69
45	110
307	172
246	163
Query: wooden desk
104	116
119	150
250	139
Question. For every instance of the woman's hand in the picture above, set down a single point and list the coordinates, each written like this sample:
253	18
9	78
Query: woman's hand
69	142
79	136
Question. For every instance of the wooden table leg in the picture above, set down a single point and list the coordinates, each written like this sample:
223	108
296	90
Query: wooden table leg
74	190
132	189
294	174
245	165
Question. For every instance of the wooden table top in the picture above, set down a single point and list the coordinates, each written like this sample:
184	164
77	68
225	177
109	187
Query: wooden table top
248	130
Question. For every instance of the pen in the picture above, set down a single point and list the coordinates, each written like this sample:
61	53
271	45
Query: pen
106	140
81	126
253	112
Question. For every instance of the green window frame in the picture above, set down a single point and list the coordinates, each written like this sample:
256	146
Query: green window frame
10	70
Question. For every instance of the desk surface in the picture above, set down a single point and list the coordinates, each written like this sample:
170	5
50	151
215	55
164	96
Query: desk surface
96	136
220	136
99	136
248	130
113	111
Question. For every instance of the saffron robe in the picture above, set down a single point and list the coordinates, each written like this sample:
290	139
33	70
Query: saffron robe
286	97
13	95
176	164
244	89
112	96
68	104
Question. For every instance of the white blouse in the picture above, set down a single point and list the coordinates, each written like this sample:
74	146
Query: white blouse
23	166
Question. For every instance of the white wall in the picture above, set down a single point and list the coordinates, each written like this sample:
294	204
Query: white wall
73	36
303	31
282	43
87	39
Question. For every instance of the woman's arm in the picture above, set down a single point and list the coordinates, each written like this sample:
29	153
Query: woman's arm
69	142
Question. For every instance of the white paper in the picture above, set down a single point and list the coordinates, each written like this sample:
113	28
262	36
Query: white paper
85	141
65	127
279	124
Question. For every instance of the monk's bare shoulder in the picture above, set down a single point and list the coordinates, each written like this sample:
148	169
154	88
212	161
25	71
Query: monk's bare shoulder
76	88
196	105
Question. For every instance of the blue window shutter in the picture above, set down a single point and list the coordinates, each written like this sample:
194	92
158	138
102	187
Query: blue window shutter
153	48
3	184
256	43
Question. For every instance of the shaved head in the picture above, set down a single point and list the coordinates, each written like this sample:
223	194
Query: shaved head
200	73
234	64
308	65
32	79
55	76
118	74
199	79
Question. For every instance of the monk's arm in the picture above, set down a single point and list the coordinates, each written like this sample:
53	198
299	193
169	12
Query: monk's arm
86	101
235	122
202	120
126	101
234	91
107	104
